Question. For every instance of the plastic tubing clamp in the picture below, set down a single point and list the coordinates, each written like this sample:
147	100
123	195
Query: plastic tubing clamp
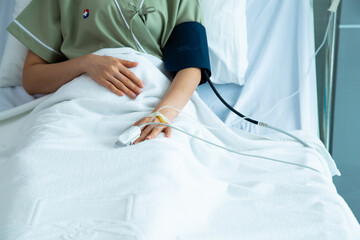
161	117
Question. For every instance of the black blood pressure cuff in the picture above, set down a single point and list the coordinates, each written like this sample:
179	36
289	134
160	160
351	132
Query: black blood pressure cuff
187	47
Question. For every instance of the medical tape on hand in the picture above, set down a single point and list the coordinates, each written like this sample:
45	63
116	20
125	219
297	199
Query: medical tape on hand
161	117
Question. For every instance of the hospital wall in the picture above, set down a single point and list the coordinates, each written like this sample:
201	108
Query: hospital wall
346	125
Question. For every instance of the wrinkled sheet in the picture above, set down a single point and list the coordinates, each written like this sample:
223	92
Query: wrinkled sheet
62	177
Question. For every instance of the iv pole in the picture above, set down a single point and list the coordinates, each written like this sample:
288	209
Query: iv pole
329	90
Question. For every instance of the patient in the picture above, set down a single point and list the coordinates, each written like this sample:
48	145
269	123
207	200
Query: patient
61	35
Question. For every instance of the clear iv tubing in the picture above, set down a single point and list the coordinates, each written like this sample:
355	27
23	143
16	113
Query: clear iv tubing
187	115
308	71
230	150
258	123
254	121
292	95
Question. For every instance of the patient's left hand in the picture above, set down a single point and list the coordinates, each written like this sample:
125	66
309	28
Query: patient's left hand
151	131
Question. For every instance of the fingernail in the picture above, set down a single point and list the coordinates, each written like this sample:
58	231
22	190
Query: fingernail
133	95
148	138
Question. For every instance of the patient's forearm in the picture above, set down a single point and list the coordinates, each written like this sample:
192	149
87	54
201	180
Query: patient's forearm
110	72
39	77
180	91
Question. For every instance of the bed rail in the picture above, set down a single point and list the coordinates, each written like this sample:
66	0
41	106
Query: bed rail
326	69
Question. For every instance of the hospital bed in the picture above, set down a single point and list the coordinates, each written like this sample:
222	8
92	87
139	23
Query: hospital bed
272	74
280	49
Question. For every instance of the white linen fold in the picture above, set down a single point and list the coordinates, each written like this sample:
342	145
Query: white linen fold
62	177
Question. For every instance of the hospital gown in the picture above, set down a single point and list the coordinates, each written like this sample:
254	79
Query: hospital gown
59	30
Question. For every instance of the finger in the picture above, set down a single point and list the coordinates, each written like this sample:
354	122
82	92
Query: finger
168	132
128	83
144	134
122	87
143	121
128	64
154	133
138	123
112	88
130	75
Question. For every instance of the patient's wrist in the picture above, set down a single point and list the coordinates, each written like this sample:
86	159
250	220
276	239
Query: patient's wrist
85	62
168	113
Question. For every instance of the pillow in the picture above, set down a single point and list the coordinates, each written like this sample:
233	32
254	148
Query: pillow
225	22
14	55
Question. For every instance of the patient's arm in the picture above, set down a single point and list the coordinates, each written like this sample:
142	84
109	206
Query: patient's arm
40	77
179	93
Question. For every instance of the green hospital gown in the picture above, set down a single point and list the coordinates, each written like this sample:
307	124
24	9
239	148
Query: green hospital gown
57	30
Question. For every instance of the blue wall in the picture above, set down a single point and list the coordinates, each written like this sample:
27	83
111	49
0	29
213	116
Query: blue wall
346	128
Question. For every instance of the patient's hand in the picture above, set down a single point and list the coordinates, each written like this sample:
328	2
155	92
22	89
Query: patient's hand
151	131
114	74
110	72
179	93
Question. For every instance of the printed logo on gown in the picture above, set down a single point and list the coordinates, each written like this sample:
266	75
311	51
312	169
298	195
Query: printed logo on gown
86	13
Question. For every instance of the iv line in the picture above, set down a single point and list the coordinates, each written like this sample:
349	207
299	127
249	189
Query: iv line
230	150
187	115
307	73
257	123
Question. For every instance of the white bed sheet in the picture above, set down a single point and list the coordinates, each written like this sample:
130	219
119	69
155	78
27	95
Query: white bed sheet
196	191
280	48
11	97
280	36
267	42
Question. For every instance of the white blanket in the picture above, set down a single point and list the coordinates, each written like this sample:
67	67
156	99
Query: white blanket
62	177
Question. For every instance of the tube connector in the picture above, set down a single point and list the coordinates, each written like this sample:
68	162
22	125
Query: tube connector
261	124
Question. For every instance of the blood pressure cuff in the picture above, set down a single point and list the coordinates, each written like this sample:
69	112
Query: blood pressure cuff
187	47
